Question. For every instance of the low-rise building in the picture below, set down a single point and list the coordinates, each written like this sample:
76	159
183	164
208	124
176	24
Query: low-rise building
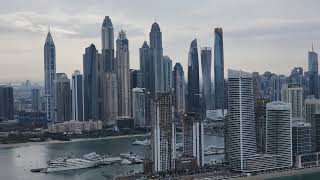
76	127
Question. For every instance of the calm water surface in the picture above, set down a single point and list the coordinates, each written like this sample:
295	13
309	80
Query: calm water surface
13	167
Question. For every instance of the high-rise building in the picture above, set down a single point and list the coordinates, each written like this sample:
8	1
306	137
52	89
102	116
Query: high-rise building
139	106
35	96
219	70
294	95
276	84
241	143
193	137
136	79
77	96
93	74
296	76
146	65
315	132
156	53
49	76
107	40
6	103
163	133
279	132
110	98
311	106
123	75
179	92
301	138
206	58
63	98
313	73
193	90
260	119
167	73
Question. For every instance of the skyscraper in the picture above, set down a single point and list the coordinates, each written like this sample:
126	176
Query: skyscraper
35	93
163	133
279	132
77	96
156	53
49	75
179	91
260	120
123	75
107	40
219	70
139	106
167	73
276	84
193	90
93	74
311	106
206	58
241	143
110	98
313	73
136	79
193	137
146	65
6	103
63	98
301	138
294	96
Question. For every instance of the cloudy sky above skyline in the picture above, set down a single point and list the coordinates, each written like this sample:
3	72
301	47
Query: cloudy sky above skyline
272	35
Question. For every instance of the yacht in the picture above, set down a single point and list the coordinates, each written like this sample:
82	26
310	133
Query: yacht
63	164
146	142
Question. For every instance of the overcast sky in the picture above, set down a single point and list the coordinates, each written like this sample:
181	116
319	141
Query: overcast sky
272	35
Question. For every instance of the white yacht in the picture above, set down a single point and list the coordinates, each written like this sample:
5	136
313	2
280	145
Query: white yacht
62	164
146	142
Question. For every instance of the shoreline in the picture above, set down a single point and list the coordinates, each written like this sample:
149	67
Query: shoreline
13	145
271	176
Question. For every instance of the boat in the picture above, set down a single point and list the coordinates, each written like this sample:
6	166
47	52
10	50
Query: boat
126	162
110	160
145	142
63	164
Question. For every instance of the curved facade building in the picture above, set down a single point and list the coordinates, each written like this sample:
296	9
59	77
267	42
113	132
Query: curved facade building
193	104
241	136
219	70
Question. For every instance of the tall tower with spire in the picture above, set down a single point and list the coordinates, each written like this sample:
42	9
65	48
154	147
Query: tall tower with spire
156	51
123	74
313	73
49	75
107	40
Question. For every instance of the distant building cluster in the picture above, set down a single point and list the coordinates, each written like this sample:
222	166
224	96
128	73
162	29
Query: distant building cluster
269	121
75	127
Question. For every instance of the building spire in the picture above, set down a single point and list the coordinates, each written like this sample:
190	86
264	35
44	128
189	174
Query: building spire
312	47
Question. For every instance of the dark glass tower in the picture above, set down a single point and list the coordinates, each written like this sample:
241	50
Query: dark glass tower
107	40
206	58
219	70
145	65
313	73
193	90
91	81
156	51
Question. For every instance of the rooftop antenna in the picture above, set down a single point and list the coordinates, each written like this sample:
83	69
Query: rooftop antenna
312	46
49	28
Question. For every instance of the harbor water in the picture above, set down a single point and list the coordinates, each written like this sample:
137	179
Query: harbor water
16	162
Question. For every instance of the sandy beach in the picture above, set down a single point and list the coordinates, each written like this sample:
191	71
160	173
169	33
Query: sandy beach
71	141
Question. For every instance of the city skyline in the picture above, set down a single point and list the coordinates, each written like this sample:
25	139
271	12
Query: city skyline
286	36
